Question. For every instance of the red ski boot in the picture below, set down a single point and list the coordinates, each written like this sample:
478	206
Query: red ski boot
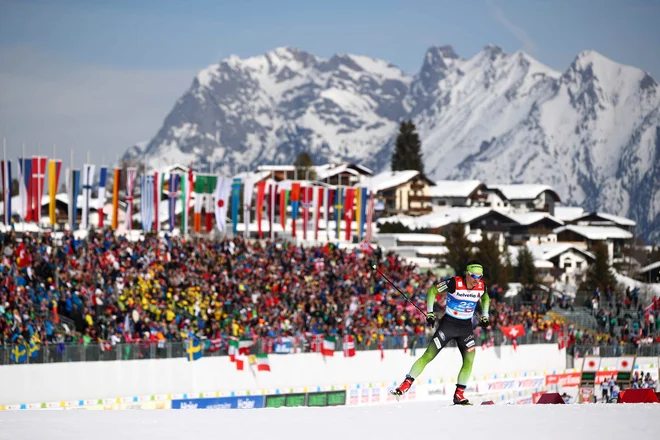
405	386
459	398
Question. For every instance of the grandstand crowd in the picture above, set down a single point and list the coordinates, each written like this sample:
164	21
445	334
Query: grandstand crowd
165	288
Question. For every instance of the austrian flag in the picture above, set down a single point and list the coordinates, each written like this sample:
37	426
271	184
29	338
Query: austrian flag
349	346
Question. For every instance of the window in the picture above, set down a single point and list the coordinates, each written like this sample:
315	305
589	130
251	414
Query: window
578	264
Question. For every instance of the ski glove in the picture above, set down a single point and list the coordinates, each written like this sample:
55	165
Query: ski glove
484	322
430	319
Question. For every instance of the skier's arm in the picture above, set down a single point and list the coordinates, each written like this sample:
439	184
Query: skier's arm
485	302
442	287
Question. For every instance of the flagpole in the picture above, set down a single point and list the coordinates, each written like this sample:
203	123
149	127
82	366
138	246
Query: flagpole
6	177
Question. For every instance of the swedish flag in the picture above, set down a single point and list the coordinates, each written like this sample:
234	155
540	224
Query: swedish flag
193	349
19	354
35	344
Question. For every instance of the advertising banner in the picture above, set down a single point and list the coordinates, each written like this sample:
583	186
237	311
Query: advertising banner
242	402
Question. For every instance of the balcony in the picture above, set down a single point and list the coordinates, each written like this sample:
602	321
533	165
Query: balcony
412	198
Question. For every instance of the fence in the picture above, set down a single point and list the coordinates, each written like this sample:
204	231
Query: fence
615	350
94	352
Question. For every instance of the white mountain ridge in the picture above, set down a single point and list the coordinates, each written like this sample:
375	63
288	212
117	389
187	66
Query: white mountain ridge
592	132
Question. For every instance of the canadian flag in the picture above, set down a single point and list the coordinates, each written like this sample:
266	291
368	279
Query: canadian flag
349	346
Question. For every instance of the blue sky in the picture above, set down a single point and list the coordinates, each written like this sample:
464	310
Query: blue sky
101	75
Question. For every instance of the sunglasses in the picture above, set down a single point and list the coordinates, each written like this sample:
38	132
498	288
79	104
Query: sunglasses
475	276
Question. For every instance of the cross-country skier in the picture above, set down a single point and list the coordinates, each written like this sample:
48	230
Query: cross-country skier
463	293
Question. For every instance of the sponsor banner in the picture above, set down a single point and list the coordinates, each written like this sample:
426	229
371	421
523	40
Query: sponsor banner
151	405
285	400
564	380
242	402
603	376
283	347
327	398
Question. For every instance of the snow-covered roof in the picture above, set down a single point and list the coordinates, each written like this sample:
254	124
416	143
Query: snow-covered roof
622	221
529	218
448	216
568	213
522	191
547	251
597	232
650	267
421	250
255	176
653	288
389	179
405	220
415	238
454	188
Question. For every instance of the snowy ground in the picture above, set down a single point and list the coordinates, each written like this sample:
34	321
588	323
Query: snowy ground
419	420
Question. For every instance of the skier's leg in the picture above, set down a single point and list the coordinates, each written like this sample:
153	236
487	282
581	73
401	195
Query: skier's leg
466	346
429	354
468	360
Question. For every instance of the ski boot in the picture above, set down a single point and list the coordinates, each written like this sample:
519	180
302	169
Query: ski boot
459	398
405	386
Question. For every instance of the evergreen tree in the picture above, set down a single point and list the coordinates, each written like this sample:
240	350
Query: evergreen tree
600	274
495	269
459	248
407	153
304	166
526	270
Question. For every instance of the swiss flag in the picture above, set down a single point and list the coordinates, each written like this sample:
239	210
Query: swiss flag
513	331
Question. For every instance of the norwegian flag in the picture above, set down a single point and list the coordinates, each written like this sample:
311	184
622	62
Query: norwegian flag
366	248
130	186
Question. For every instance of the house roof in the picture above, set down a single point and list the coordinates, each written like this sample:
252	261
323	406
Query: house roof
448	216
404	238
389	179
529	218
622	221
522	191
596	232
568	213
651	266
545	252
454	188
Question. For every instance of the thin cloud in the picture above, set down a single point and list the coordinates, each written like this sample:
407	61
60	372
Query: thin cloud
528	45
104	110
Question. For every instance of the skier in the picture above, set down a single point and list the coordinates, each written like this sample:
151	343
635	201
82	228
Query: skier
463	293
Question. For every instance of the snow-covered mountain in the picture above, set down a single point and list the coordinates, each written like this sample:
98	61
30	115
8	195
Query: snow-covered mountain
592	132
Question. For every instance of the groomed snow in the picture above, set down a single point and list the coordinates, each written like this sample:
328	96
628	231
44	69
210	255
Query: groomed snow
418	420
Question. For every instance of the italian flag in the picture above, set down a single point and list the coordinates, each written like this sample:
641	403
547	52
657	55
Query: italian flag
241	362
233	349
349	346
328	348
262	362
244	346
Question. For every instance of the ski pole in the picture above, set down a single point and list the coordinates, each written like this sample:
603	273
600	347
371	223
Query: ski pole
404	295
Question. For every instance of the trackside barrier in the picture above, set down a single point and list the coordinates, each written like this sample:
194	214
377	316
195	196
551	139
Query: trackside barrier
513	388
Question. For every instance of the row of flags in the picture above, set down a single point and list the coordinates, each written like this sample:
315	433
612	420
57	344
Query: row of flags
310	203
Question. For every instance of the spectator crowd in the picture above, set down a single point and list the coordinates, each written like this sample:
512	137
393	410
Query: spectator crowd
108	289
